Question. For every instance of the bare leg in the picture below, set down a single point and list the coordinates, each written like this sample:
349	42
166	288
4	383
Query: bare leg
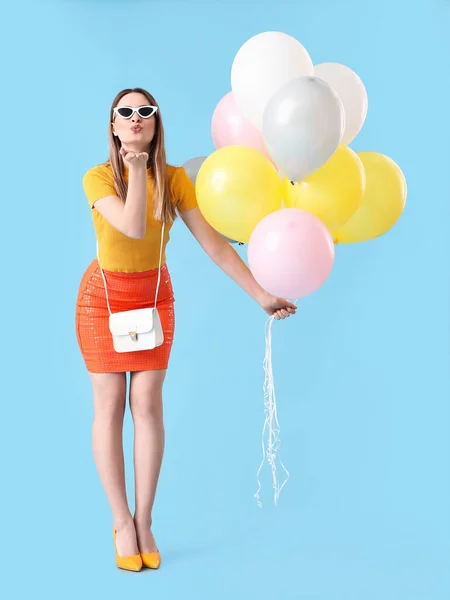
109	391
147	411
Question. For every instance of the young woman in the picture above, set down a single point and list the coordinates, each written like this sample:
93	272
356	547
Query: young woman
131	196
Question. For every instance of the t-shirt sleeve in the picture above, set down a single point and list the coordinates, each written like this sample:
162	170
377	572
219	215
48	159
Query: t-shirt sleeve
183	190
97	184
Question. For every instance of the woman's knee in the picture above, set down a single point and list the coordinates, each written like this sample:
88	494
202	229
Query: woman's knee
146	394
109	391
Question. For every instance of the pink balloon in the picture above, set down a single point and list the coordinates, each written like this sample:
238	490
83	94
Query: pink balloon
229	127
290	253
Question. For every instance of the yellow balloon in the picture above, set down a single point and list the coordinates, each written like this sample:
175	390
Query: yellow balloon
333	193
236	187
383	201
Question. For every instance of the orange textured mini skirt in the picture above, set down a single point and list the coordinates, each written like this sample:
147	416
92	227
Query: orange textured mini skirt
126	291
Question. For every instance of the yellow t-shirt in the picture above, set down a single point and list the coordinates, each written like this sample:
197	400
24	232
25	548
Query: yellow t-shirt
119	252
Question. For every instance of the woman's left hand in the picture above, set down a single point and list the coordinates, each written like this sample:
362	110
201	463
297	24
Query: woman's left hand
279	308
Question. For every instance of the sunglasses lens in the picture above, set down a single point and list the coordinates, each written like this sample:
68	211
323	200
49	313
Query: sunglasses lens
145	111
125	112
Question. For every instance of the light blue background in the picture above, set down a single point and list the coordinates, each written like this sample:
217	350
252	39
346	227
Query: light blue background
361	372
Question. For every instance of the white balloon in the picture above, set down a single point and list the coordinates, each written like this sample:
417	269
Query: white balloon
302	126
192	167
351	91
262	65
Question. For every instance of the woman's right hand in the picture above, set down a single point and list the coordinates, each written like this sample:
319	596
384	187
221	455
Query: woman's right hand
132	159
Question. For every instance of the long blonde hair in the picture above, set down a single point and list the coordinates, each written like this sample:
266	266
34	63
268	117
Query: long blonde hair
164	209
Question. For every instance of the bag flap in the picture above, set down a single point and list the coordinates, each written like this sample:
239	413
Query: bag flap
139	320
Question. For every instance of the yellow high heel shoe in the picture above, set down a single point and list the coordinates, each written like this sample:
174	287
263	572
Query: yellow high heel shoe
129	563
152	560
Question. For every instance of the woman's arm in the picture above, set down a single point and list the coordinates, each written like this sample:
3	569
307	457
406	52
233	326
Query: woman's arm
129	218
226	257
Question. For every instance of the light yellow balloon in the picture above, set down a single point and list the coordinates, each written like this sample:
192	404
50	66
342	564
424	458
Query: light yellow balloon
236	187
383	201
333	193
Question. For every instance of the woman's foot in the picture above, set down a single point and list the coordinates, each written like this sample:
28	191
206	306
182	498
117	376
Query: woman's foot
126	539
145	540
147	546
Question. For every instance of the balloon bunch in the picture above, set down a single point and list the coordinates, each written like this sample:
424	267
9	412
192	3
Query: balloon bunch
283	178
282	138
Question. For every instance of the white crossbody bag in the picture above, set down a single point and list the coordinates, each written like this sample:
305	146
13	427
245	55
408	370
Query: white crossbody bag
138	329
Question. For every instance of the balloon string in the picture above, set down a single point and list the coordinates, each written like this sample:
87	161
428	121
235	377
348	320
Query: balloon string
270	440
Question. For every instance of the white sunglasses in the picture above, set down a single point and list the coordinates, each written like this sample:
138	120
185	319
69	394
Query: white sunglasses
126	112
